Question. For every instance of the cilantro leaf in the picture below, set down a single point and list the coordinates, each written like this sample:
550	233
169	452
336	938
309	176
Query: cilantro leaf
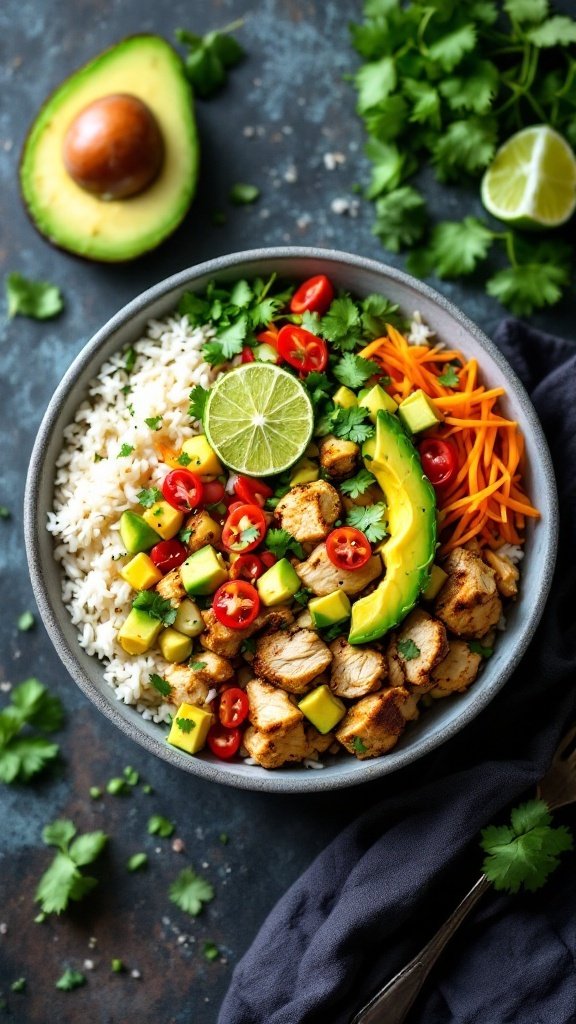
448	50
474	89
389	167
371	521
160	826
302	596
358	745
125	451
197	666
242	194
353	371
70	980
209	58
185	724
479	648
466	145
190	892
129	364
341	324
318	386
155	605
198	397
377	312
425	102
351	424
527	851
357	485
231	339
137	861
22	753
526	10
148	496
400	218
532	285
386	120
160	684
183	459
374	82
280	543
154	422
25	622
455	248
210	951
35	299
63	881
449	378
408	649
558	30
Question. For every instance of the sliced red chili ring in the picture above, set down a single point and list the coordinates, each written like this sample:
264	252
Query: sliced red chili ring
348	548
302	349
233	708
314	295
247	567
244	529
236	604
223	742
168	555
182	489
251	491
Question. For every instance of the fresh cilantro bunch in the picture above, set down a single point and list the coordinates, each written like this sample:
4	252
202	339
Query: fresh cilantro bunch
442	86
64	881
210	57
525	852
23	752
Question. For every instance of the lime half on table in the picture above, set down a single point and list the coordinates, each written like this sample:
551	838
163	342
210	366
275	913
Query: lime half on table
258	419
532	180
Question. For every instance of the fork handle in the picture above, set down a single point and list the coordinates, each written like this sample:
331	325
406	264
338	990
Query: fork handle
391	1004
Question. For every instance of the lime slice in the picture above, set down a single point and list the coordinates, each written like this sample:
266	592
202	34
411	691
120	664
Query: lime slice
258	419
532	180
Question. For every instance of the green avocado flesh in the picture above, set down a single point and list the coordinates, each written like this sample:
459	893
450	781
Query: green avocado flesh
409	551
144	66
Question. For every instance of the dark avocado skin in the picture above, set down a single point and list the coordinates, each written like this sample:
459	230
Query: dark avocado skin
147	232
409	552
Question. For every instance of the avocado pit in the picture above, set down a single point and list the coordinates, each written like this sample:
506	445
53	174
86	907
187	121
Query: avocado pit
114	147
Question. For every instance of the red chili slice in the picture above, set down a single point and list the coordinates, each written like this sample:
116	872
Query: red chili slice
348	548
233	708
244	529
168	555
213	492
314	295
439	460
236	604
268	559
182	489
251	491
302	349
224	743
247	355
247	567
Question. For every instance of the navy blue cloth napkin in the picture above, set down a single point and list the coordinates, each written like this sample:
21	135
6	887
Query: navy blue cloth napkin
374	896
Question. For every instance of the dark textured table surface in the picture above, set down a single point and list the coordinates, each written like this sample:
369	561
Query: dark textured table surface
284	113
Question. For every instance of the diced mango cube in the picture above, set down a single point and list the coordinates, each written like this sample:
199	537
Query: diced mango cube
437	580
203	460
344	397
190	727
164	518
140	572
174	646
323	708
138	632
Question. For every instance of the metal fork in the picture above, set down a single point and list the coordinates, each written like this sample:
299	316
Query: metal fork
392	1003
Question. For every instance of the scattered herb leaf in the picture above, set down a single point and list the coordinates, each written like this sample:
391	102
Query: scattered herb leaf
63	881
160	684
24	754
189	892
210	951
370	520
242	194
125	451
449	378
525	852
281	543
478	648
156	606
159	826
137	861
185	725
408	649
25	622
38	300
210	57
359	484
149	496
70	980
197	666
154	422
358	745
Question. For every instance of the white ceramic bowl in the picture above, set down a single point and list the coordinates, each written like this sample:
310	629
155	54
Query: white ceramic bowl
360	277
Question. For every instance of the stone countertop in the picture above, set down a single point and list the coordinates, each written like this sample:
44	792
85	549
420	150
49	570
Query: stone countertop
286	123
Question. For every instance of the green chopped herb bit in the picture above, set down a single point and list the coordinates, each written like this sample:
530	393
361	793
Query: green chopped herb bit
95	792
185	724
131	775
38	300
408	649
130	408
154	422
242	194
147	788
26	622
479	648
40	918
126	389
137	861
71	980
183	459
160	684
224	838
370	520
24	754
449	378
125	451
333	632
117	966
190	892
358	745
357	485
98	458
248	645
353	424
210	951
63	881
197	397
281	543
117	786
159	826
353	371
5	512
210	57
129	363
156	606
525	852
302	596
185	534
149	496
19	985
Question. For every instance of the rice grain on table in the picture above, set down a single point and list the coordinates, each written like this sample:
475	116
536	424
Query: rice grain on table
94	485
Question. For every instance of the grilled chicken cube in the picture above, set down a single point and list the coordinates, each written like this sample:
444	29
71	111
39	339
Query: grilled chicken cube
191	685
338	457
271	620
272	751
271	710
204	530
304	619
456	671
356	671
308	511
291	660
410	664
468	603
374	724
321	576
507	574
170	587
318	743
219	638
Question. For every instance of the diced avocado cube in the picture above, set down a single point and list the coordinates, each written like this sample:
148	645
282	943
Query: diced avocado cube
418	412
278	584
344	397
437	580
140	572
139	632
174	646
304	472
330	609
203	571
376	399
163	518
190	727
136	534
323	708
188	618
203	460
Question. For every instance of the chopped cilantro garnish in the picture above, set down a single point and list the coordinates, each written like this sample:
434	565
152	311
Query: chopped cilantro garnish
25	622
185	534
95	792
357	485
70	980
5	512
198	397
333	632
353	371
210	57
341	326
449	378
302	596
160	684
63	881
197	666
242	194
408	649
352	424
125	451
19	985
190	892
137	861
183	459
97	457
117	786
210	951
129	363
149	496
117	966
280	543
131	775
478	648
38	300
525	852
156	606
370	520
185	725
358	745
248	645
160	826
23	754
154	422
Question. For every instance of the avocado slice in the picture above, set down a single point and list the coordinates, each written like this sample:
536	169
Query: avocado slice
410	550
143	66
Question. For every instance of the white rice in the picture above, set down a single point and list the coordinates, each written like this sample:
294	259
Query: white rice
90	495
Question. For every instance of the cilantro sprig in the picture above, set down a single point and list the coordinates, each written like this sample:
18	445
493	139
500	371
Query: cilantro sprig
210	57
156	606
190	892
525	852
63	880
23	752
352	424
359	484
443	85
281	543
38	300
371	520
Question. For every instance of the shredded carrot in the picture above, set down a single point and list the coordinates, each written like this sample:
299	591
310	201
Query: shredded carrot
485	501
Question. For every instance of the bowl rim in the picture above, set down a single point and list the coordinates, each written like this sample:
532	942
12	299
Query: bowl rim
309	781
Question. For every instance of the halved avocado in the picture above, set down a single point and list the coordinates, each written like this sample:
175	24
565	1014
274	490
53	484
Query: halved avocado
410	549
148	68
